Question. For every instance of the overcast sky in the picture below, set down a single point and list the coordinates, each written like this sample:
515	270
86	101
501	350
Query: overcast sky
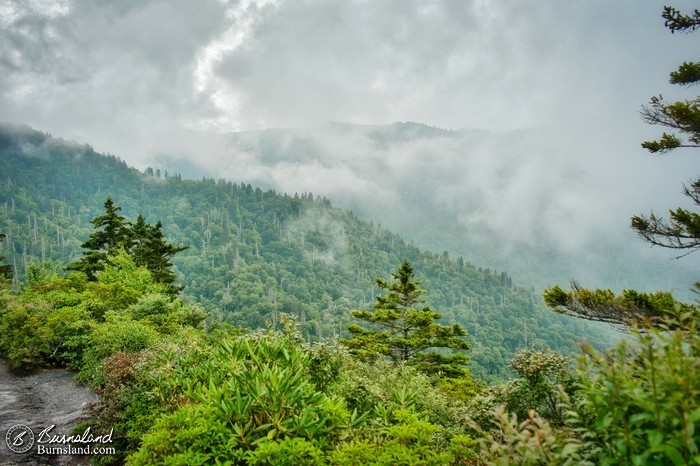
143	79
113	72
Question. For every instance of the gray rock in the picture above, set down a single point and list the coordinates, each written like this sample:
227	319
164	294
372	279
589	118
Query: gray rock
38	400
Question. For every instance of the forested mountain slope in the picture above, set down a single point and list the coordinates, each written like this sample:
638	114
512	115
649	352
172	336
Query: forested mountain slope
522	201
254	254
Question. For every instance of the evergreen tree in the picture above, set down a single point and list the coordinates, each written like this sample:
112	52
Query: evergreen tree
605	306
682	230
152	251
5	269
113	232
406	331
145	243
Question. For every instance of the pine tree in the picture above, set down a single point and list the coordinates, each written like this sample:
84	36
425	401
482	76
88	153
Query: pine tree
152	251
113	232
145	243
682	230
404	332
605	306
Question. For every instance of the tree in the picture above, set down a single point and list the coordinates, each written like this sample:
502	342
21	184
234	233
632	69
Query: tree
113	233
144	243
605	306
406	333
682	230
5	269
152	251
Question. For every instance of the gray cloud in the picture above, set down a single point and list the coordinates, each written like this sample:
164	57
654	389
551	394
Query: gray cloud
368	62
152	80
501	196
103	71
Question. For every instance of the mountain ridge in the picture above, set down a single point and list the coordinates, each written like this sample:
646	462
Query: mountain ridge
255	254
512	200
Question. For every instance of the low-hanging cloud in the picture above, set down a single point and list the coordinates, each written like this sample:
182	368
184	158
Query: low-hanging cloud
400	173
498	195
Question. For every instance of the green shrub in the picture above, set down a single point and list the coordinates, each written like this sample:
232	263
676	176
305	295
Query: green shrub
192	435
165	313
289	451
25	339
639	403
530	442
249	392
367	386
407	439
71	328
543	374
144	385
119	333
120	268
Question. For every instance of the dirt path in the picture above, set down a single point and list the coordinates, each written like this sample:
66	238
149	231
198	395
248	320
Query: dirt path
38	400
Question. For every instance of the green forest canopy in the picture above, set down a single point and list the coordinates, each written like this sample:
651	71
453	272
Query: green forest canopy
254	254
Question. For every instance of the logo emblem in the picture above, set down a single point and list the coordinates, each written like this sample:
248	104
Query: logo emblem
19	438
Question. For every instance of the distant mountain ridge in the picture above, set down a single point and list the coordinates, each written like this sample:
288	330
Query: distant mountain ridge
519	200
255	253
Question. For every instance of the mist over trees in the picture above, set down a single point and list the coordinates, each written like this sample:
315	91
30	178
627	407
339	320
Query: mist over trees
518	201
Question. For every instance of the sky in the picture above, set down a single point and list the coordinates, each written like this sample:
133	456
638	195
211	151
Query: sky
113	72
555	85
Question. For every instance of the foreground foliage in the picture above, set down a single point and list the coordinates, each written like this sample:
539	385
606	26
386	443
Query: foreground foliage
640	402
177	393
